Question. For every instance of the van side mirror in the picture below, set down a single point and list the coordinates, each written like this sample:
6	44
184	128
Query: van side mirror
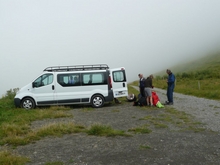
34	84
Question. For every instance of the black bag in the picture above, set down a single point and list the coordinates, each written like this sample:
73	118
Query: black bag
141	101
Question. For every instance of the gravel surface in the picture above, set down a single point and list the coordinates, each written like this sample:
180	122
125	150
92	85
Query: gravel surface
172	145
205	110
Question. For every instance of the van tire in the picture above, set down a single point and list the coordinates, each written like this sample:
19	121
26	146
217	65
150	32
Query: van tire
28	103
97	101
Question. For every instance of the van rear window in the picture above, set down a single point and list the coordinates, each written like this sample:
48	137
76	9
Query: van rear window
119	76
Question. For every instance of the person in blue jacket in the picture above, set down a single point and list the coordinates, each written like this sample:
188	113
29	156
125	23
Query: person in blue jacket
170	87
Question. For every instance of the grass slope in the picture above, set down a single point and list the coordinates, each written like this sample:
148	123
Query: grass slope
211	62
199	78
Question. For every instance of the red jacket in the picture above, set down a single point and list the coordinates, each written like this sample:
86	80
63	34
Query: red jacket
155	98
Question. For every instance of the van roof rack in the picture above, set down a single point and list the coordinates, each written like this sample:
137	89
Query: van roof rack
76	68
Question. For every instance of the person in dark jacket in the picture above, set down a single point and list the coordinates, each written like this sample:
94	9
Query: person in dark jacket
170	86
148	90
141	84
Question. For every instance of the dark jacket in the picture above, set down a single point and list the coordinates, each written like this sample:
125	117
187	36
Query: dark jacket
148	83
171	79
142	83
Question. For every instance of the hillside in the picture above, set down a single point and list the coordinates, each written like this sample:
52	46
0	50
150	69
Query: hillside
199	78
209	62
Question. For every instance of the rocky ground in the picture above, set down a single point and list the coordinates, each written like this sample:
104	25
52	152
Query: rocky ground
174	144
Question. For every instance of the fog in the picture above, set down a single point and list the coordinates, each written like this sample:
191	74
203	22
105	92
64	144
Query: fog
144	36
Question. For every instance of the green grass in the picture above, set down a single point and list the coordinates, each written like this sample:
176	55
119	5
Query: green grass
144	147
140	130
103	130
16	138
87	109
132	90
7	158
207	88
16	122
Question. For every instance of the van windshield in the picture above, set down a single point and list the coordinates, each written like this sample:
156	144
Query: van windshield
43	80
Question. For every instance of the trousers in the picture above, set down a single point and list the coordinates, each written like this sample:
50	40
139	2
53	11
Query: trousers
170	89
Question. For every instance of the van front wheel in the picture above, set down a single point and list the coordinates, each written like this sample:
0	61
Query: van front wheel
97	101
28	103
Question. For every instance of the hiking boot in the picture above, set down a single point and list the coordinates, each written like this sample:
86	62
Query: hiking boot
170	103
117	101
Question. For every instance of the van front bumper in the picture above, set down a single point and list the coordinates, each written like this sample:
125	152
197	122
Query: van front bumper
17	102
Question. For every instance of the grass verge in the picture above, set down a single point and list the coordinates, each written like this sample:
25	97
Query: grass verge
7	158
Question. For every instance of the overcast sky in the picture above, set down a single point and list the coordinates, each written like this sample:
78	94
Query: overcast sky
144	36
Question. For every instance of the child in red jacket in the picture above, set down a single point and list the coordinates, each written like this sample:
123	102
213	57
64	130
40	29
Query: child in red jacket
156	100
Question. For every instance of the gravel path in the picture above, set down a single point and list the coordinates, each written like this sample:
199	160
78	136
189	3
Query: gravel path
164	146
205	110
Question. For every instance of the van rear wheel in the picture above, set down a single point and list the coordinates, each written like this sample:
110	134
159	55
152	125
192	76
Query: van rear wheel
97	101
28	103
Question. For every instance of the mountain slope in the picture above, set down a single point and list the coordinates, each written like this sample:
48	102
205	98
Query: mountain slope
209	62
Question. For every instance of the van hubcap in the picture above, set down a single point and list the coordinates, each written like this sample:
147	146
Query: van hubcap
97	101
27	104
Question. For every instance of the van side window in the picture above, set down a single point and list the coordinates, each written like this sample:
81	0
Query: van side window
43	80
94	78
66	80
119	76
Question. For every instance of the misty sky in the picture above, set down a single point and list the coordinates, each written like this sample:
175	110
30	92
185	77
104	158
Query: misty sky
144	36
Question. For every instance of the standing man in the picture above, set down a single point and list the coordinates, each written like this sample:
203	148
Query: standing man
170	87
141	84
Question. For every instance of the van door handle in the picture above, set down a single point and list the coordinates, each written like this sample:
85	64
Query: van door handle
52	87
123	84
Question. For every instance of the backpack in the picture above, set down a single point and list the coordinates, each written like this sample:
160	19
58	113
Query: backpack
140	102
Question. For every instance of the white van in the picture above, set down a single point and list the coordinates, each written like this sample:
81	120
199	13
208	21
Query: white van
79	84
